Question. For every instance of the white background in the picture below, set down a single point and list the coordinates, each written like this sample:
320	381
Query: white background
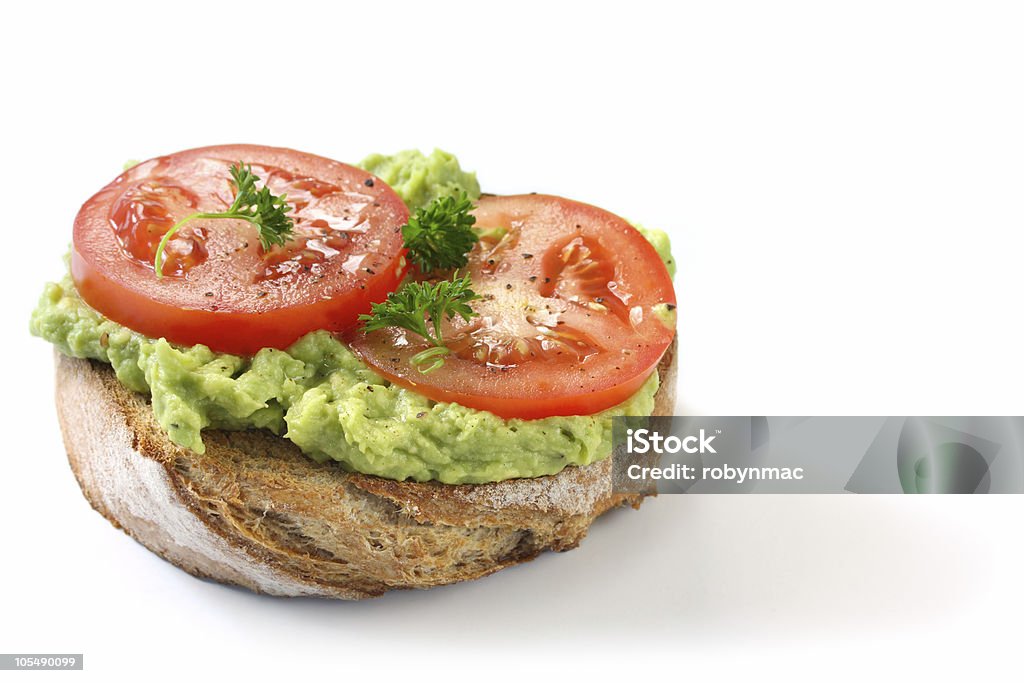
842	182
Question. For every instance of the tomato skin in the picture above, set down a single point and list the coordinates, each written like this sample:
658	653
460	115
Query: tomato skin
230	332
567	323
532	406
219	288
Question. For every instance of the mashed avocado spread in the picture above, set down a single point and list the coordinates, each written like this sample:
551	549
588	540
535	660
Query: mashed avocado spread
319	395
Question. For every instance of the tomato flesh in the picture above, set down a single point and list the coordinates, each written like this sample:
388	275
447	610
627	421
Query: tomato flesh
219	287
567	324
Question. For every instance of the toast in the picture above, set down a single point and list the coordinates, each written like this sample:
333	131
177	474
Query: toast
255	512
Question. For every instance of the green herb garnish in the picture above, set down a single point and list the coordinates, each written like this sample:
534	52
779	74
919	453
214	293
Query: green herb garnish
420	308
440	235
261	208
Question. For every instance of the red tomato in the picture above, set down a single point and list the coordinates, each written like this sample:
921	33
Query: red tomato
566	325
219	287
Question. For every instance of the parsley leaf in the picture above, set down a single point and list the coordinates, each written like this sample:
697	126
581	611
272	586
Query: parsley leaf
420	307
269	213
440	234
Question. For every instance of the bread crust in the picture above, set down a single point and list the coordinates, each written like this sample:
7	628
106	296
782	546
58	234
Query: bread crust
253	511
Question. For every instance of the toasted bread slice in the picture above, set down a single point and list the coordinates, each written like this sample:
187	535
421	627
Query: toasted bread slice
255	512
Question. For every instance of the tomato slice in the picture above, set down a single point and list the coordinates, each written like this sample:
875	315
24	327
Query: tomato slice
569	323
219	288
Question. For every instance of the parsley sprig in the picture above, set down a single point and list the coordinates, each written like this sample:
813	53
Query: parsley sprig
440	234
420	307
269	213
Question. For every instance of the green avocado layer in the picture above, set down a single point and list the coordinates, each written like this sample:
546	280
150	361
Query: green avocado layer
420	179
322	397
